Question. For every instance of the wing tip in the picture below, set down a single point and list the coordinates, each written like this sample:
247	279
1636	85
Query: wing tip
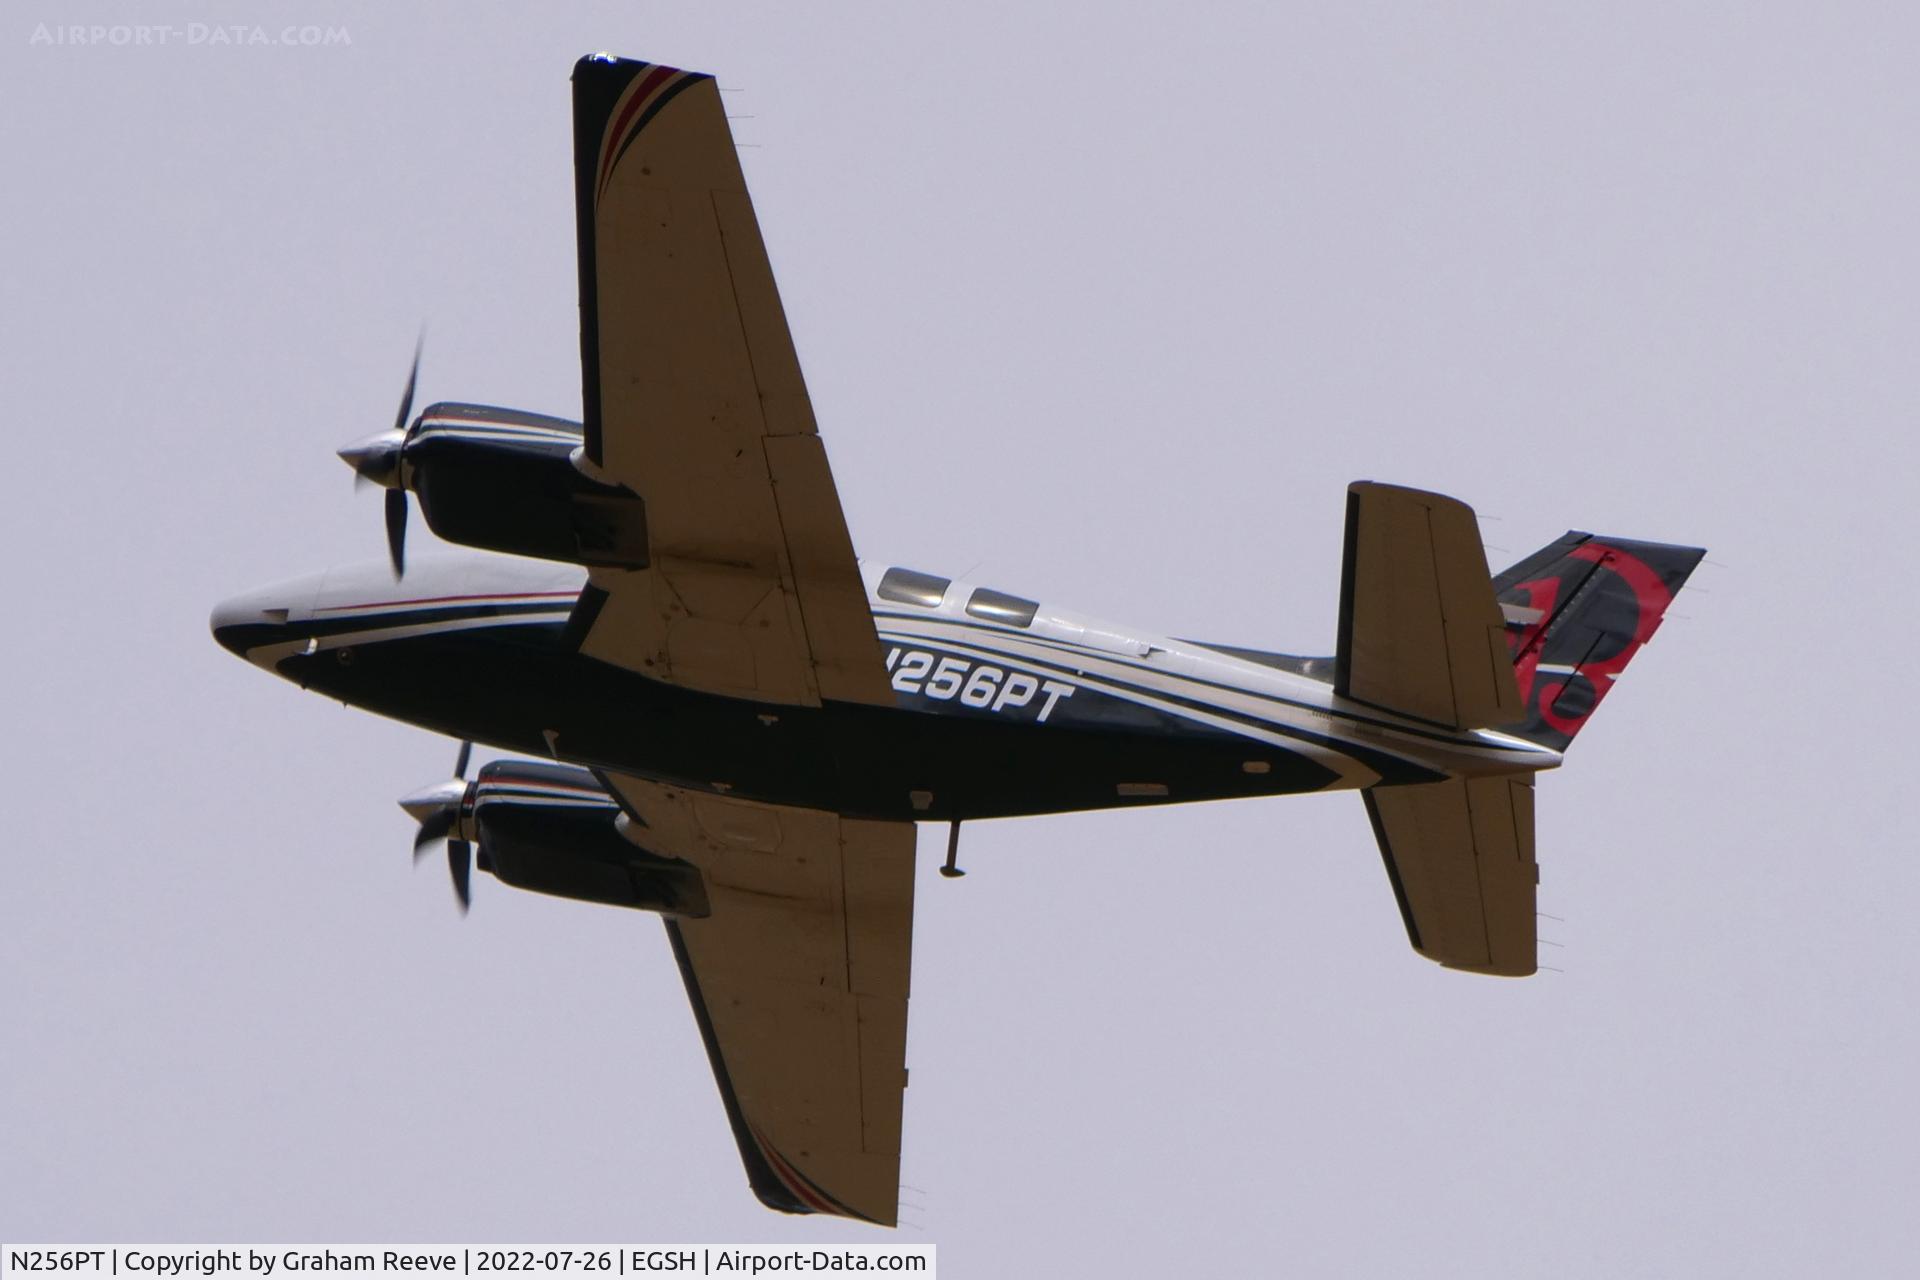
612	68
1490	970
774	1181
601	63
809	1193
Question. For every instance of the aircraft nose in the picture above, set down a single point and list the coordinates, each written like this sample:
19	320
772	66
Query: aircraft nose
247	620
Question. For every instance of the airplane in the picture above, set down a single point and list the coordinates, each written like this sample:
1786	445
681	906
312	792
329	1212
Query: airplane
733	723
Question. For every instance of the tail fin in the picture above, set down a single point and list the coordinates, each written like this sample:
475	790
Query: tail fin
1577	611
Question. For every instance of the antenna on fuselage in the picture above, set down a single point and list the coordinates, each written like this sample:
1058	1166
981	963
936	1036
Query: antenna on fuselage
952	871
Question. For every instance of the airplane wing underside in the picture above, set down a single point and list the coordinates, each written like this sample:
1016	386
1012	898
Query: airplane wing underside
694	401
798	979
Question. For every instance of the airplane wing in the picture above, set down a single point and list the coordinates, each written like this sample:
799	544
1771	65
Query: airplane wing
798	979
694	402
1421	632
1460	856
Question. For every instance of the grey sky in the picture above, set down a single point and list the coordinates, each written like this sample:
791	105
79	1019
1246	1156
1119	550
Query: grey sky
1113	300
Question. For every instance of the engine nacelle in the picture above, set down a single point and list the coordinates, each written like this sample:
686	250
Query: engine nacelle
551	828
505	480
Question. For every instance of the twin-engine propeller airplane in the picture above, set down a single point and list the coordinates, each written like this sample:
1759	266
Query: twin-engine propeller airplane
738	725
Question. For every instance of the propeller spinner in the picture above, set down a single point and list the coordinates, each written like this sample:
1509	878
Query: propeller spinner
437	810
377	460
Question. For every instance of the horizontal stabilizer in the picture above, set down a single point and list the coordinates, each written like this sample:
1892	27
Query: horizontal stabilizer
1421	633
1460	856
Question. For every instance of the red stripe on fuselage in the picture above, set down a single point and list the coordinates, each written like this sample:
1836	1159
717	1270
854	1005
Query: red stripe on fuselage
490	595
505	426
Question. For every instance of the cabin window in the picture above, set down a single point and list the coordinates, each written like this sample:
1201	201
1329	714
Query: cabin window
904	586
998	606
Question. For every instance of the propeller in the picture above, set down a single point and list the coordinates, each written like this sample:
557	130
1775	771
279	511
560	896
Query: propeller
397	531
377	460
437	809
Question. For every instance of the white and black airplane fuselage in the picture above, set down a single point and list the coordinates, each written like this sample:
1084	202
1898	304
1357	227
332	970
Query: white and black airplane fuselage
1025	710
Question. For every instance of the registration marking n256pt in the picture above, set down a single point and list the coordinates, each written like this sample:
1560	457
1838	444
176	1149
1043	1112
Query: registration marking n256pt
981	685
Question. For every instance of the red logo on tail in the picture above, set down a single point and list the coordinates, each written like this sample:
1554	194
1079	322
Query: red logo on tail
1651	599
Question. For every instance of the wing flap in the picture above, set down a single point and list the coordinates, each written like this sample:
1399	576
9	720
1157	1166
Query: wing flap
847	661
1460	857
1421	632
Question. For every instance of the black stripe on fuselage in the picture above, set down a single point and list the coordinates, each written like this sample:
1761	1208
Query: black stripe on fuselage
244	637
510	685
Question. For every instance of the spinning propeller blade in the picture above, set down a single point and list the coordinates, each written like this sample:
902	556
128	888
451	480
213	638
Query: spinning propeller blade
437	809
397	531
413	379
377	460
434	829
397	496
460	866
